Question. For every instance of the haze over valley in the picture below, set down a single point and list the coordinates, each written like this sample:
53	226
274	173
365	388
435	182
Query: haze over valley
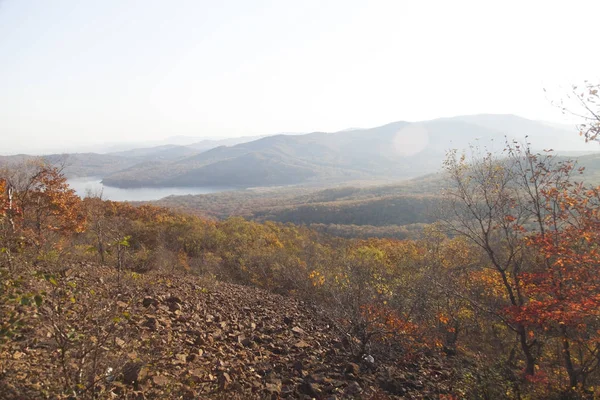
388	153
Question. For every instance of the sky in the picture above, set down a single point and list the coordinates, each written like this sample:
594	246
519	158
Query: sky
87	72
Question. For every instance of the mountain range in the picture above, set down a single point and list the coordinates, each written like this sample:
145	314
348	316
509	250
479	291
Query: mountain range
393	151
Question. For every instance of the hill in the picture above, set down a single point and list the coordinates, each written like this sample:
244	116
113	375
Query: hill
77	164
179	149
166	152
186	337
392	151
359	209
99	164
542	135
103	300
397	210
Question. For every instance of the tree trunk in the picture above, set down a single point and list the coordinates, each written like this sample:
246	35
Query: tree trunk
101	250
526	348
566	350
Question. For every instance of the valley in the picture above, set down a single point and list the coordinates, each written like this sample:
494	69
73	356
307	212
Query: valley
93	186
361	279
299	200
389	153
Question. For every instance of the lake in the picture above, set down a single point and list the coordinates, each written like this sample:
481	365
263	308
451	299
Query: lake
86	184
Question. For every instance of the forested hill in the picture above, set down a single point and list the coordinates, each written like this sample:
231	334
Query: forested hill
392	210
393	151
396	150
105	300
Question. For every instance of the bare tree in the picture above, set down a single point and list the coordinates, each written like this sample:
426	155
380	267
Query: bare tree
583	102
494	201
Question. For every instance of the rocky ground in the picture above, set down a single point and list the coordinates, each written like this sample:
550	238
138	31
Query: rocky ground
96	334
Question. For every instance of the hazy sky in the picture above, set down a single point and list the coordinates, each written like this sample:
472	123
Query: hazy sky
90	71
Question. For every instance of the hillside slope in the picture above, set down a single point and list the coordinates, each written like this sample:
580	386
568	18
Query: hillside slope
176	336
396	150
392	151
77	164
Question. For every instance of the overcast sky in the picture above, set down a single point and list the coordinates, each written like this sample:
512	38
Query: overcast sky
92	71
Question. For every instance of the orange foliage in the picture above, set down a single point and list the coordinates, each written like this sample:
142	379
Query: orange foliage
566	288
56	206
388	323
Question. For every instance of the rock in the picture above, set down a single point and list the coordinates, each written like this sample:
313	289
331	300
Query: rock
353	390
197	373
151	323
148	301
163	307
236	387
173	299
224	380
160	380
298	366
298	330
394	386
181	318
311	389
301	344
255	384
328	381
119	342
181	358
244	341
278	350
134	372
274	386
352	368
189	394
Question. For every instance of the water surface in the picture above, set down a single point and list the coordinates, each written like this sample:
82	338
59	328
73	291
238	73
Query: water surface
85	185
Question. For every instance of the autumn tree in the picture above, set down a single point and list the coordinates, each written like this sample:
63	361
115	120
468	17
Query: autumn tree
583	102
39	209
564	287
494	201
538	230
483	209
445	284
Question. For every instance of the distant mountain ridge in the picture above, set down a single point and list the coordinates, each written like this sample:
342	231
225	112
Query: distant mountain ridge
396	150
393	151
